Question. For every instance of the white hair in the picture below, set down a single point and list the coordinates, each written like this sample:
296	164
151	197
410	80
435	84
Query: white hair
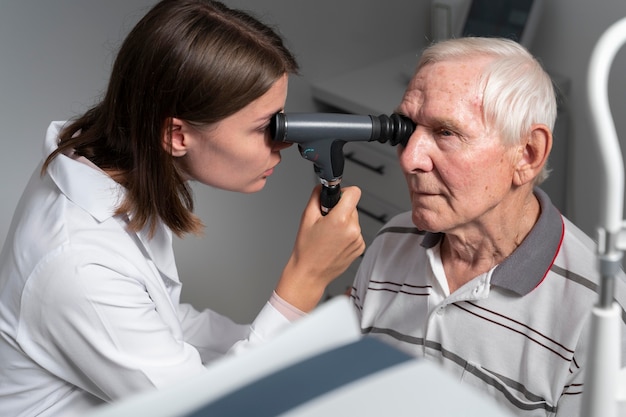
517	91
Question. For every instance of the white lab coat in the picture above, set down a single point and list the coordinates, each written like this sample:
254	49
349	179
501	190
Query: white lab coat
90	312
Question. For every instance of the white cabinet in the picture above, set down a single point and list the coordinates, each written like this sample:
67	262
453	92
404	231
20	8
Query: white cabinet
374	167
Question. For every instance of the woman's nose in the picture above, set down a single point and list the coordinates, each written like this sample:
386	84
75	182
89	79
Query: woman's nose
279	145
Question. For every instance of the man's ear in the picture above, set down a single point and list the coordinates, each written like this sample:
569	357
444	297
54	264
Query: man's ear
174	139
534	156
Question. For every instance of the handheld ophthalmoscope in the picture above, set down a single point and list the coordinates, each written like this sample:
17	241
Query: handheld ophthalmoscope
321	136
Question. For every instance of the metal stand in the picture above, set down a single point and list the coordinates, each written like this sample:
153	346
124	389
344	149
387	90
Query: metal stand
602	379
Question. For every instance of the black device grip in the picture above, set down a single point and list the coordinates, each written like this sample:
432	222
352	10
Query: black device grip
329	197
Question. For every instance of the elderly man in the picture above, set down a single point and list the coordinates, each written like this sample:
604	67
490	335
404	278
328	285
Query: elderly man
484	275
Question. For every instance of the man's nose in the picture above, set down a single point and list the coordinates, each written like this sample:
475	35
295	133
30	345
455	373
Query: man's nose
415	155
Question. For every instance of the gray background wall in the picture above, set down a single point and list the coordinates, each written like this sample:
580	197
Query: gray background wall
54	63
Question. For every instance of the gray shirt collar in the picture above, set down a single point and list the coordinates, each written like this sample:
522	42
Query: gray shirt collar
528	265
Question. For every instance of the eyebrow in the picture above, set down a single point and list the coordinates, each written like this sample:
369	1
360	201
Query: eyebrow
446	123
268	116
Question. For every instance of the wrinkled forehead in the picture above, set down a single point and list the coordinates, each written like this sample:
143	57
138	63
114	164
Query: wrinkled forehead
455	81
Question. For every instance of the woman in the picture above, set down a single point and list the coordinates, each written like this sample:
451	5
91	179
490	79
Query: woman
89	292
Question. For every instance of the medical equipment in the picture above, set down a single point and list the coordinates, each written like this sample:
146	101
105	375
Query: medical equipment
603	379
321	136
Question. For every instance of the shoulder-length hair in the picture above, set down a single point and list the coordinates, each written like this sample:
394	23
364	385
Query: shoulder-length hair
196	60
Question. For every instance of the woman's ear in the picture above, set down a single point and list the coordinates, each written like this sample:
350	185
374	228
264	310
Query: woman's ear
174	139
535	154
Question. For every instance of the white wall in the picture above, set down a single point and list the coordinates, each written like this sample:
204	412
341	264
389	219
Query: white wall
55	59
567	34
54	62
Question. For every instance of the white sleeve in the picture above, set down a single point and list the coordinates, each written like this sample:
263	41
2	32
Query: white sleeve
267	324
210	332
99	329
200	328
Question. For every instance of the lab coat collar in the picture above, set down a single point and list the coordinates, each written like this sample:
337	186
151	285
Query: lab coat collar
89	188
98	194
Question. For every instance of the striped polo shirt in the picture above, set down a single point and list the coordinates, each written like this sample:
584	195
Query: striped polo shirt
518	332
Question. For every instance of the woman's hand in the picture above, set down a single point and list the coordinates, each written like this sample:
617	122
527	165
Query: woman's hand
325	247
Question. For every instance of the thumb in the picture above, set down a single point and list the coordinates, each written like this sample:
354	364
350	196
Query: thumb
352	194
350	197
312	210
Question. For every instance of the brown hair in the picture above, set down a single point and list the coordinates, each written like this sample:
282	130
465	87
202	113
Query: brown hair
196	60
